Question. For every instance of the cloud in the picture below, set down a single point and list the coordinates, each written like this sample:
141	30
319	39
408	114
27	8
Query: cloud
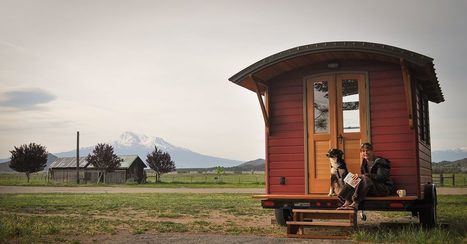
26	99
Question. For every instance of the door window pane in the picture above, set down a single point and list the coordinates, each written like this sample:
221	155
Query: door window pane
321	106
350	106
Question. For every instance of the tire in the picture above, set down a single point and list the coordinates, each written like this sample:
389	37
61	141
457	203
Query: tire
282	216
427	213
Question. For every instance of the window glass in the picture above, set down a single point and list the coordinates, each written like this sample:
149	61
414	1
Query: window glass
350	106
321	106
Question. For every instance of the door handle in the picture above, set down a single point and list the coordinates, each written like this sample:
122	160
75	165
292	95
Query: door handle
340	138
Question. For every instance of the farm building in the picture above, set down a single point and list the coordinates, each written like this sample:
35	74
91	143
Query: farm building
64	170
339	95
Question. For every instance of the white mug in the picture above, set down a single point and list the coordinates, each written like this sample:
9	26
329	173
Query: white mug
401	193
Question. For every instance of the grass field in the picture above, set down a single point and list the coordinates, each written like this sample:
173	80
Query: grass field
32	218
449	179
196	180
168	181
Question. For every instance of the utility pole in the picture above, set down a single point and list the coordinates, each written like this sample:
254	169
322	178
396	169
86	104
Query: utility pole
77	157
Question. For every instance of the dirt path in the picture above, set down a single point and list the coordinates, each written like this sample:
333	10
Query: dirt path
45	189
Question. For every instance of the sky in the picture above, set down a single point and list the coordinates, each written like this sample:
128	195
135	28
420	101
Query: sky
161	68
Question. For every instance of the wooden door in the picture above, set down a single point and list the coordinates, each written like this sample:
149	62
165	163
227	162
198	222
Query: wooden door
336	118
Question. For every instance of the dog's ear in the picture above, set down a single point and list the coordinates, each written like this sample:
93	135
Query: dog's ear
339	153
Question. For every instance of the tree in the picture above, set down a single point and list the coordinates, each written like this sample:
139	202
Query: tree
104	159
219	172
160	162
28	158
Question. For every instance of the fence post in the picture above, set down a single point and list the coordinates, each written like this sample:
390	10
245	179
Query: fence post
453	179
441	179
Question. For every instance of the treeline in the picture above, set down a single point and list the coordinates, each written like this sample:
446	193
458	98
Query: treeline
458	166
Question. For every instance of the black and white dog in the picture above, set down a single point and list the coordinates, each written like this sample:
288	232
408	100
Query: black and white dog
338	170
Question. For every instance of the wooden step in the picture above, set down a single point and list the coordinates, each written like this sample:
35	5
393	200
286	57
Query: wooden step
308	223
323	211
319	218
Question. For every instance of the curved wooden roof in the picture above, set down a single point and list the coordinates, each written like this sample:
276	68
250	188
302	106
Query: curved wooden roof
421	67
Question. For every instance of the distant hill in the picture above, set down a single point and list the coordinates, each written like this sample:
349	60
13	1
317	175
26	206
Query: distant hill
254	165
451	167
4	166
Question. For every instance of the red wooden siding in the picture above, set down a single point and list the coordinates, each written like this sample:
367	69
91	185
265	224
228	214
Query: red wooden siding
285	146
389	129
424	148
390	132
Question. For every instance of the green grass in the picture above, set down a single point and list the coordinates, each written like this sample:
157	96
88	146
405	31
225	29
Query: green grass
451	212
168	181
56	217
459	180
195	180
20	179
30	217
409	234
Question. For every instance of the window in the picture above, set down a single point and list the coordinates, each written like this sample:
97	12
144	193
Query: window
350	106
423	117
321	107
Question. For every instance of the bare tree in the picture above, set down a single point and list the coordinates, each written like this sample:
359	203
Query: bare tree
160	162
28	158
104	159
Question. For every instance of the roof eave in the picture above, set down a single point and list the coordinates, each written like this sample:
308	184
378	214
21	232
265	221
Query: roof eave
414	59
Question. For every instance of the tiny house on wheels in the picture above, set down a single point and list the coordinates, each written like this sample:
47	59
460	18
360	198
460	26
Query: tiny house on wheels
340	95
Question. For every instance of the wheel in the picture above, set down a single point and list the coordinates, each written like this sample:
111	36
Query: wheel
362	216
282	216
427	214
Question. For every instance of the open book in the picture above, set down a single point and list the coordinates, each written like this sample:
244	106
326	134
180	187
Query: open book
348	179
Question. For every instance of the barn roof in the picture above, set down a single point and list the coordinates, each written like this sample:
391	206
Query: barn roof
422	67
70	162
128	160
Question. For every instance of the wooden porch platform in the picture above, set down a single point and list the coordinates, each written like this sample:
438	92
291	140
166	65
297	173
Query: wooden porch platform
326	197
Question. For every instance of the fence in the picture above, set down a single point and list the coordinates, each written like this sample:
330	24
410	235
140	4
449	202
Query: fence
443	179
212	178
20	179
42	179
451	179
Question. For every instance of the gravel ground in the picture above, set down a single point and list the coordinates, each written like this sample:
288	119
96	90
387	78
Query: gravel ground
181	238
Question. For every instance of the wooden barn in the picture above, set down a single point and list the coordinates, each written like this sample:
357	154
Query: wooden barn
64	170
339	95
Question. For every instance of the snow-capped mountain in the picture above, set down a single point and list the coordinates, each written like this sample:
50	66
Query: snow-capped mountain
130	143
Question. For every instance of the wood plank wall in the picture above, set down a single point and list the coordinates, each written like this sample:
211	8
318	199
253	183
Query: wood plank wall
390	132
286	142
